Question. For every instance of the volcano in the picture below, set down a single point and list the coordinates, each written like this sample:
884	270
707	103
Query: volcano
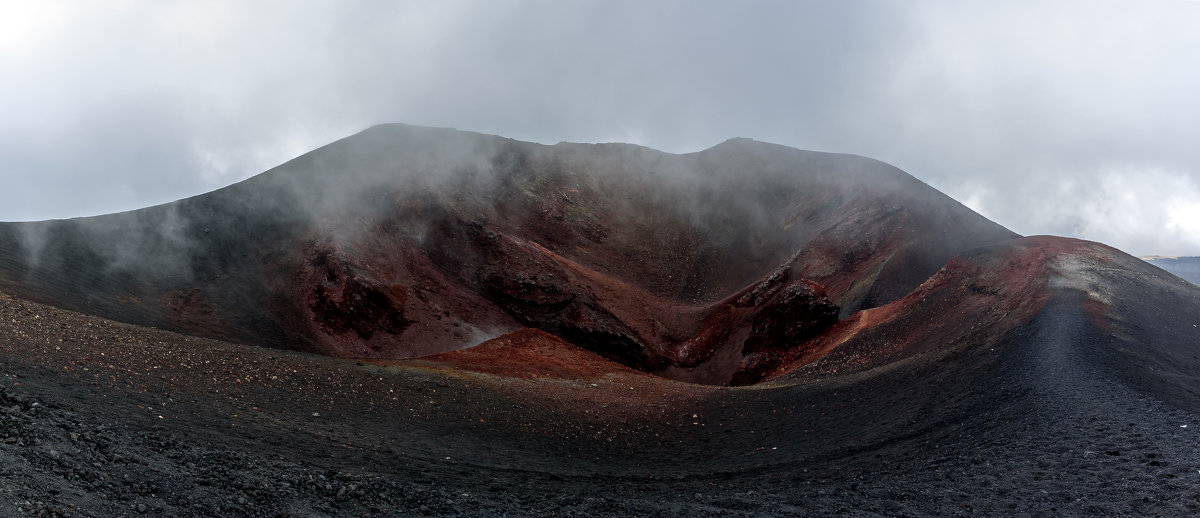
401	242
419	320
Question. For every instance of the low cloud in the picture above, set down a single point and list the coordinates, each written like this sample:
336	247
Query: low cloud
1043	116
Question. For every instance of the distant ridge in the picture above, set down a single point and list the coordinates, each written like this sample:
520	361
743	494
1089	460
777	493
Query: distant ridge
1186	268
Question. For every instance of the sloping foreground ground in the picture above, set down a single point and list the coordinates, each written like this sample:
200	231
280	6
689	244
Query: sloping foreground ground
1071	394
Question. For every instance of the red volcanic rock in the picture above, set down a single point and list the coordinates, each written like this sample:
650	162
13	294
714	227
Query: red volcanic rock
345	300
797	313
744	337
362	302
540	289
530	353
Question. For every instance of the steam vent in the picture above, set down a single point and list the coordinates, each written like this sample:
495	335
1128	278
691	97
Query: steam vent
414	316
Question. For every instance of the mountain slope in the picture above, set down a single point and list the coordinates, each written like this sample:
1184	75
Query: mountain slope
1139	323
404	241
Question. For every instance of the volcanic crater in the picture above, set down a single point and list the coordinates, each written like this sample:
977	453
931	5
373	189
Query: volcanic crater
402	241
515	328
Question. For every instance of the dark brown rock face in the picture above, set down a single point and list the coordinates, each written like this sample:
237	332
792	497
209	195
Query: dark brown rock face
798	312
344	300
786	315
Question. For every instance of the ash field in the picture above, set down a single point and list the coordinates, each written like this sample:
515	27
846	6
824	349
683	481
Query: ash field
419	321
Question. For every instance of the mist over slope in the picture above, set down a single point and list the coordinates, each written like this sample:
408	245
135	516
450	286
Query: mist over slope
403	241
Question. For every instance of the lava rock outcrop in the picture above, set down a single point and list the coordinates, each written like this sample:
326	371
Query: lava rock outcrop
345	300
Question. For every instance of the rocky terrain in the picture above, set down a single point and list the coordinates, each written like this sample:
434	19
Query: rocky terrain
428	322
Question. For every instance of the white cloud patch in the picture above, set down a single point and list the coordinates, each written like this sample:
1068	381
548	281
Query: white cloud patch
1137	209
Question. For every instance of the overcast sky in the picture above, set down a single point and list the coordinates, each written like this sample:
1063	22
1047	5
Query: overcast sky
1072	118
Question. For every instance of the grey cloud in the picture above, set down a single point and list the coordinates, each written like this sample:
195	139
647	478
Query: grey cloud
1041	115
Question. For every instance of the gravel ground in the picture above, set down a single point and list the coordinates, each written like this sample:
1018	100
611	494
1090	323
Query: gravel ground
105	419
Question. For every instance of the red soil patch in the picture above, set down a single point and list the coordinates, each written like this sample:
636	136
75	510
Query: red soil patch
1097	312
531	353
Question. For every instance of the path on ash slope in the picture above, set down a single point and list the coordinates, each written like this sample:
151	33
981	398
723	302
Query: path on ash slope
1078	440
1041	424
